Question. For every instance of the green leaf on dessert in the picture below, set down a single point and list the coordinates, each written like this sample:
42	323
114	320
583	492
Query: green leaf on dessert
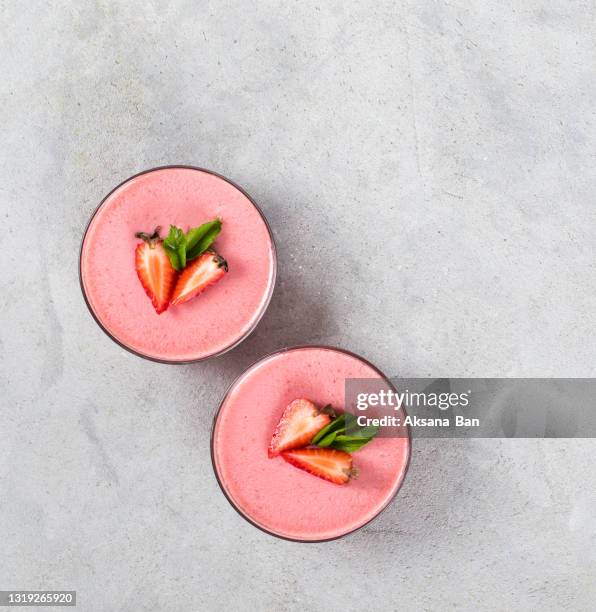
363	432
351	422
344	433
334	426
341	438
182	248
196	233
174	259
327	440
175	247
182	254
199	239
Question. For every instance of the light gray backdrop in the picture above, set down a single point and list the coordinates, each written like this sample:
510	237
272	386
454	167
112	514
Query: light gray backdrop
428	171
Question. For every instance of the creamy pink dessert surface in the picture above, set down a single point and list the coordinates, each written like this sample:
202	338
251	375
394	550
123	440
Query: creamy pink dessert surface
214	320
274	494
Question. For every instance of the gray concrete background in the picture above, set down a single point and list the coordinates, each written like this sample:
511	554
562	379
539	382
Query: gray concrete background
428	171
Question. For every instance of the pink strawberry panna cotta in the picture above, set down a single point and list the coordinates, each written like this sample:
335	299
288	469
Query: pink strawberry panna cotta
213	321
272	493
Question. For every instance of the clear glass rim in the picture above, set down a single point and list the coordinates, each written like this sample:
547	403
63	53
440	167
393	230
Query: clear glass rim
263	307
216	417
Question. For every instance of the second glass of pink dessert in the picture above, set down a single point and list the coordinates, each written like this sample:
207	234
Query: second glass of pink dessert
177	264
290	459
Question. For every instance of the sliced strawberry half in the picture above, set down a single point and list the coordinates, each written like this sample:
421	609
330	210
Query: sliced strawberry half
328	463
155	272
198	275
299	423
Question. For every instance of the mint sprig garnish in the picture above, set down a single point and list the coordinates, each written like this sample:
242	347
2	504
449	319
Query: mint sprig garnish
344	433
199	239
175	246
182	248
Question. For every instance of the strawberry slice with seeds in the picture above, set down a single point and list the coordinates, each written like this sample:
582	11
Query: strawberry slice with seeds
155	270
328	463
299	423
198	275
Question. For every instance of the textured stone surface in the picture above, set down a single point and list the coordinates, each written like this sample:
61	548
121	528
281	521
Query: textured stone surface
428	171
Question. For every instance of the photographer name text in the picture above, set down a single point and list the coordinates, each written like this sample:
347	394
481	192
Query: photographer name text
416	421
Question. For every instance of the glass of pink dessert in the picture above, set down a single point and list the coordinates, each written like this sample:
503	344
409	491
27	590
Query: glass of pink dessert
155	299
265	460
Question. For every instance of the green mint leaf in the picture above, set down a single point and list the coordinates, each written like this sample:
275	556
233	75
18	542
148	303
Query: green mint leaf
175	247
351	422
174	259
328	439
199	239
363	432
182	254
334	426
341	439
344	433
196	233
